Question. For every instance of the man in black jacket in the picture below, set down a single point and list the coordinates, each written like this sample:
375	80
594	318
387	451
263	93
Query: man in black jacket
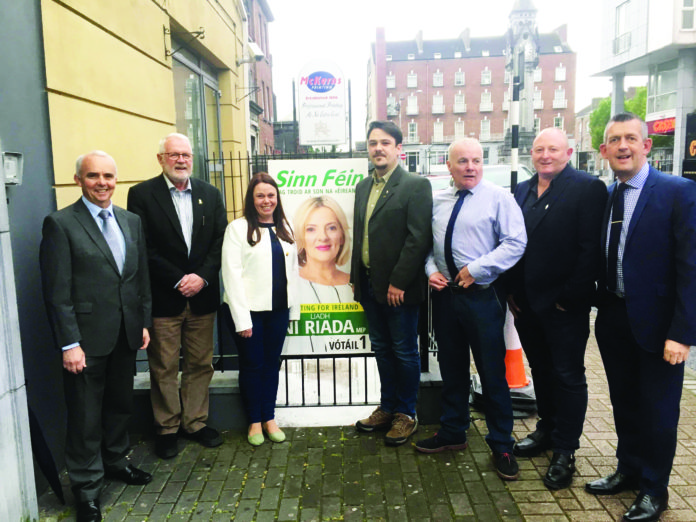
184	220
550	292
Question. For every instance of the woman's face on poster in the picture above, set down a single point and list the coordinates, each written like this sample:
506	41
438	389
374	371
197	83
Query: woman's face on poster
323	235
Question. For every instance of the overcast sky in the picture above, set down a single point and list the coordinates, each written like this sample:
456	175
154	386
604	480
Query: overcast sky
342	32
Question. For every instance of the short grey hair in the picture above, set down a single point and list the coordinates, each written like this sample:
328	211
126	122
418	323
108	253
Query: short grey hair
163	141
469	141
100	153
627	116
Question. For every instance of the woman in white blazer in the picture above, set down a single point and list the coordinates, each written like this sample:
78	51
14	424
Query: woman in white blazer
259	271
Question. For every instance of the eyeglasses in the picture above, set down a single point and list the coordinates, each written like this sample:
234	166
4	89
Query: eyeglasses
176	155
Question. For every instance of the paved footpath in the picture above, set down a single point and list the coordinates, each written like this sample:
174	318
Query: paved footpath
337	474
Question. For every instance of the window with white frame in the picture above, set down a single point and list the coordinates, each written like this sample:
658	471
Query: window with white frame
538	102
412	80
391	81
662	87
438	79
506	100
506	124
485	129
457	54
560	75
486	105
508	77
537	125
687	18
459	130
438	104
438	131
485	52
411	56
537	74
459	77
412	104
622	34
391	105
486	76
412	132
437	56
459	102
559	99
558	121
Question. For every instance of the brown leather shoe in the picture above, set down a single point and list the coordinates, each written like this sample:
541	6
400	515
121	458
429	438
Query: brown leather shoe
378	420
402	428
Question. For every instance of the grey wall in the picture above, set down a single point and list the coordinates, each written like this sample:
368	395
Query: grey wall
24	128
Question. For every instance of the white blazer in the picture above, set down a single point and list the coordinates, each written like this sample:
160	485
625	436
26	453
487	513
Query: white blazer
247	272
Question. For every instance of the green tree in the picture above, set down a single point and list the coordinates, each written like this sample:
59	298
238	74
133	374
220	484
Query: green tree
598	120
636	105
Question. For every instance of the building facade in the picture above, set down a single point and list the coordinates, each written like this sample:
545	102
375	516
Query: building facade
657	39
260	83
115	76
438	91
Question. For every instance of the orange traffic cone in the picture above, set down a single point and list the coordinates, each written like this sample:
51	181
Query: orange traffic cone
514	363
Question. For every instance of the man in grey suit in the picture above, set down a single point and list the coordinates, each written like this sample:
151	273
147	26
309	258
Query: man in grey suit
97	293
392	238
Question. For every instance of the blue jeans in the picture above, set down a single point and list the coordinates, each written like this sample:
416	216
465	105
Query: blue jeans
259	363
475	320
394	339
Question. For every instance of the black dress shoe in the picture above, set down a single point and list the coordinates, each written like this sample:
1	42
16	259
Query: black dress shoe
560	472
532	444
613	484
88	511
165	446
646	508
130	475
206	436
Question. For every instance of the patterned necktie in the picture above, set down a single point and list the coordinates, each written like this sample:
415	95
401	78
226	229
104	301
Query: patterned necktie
617	215
111	237
449	258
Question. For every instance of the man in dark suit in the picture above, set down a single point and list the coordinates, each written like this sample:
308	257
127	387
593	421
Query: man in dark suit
646	319
184	220
97	295
550	290
392	238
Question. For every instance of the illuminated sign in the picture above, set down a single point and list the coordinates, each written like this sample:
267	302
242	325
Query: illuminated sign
665	126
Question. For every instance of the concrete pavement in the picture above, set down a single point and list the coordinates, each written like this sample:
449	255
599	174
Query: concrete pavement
337	474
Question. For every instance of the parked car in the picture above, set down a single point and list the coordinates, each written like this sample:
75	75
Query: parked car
498	174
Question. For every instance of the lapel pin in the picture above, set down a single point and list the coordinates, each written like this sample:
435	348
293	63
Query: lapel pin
546	207
200	201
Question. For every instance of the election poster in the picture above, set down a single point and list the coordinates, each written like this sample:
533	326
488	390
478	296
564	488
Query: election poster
317	196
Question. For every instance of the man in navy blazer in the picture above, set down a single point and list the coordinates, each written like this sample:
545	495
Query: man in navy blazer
184	220
550	291
646	320
97	294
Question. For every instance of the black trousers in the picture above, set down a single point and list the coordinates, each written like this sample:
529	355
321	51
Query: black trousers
554	342
99	401
645	392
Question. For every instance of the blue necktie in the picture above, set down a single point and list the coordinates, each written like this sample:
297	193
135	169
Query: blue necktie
449	258
111	237
617	215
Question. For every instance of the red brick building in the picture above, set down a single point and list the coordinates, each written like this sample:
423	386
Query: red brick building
441	90
260	80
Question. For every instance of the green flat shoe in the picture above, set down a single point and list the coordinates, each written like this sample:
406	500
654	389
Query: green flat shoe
277	436
257	439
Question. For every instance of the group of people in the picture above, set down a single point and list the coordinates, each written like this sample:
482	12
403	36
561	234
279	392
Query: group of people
117	281
561	244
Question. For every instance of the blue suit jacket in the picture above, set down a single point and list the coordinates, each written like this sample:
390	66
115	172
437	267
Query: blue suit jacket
659	262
